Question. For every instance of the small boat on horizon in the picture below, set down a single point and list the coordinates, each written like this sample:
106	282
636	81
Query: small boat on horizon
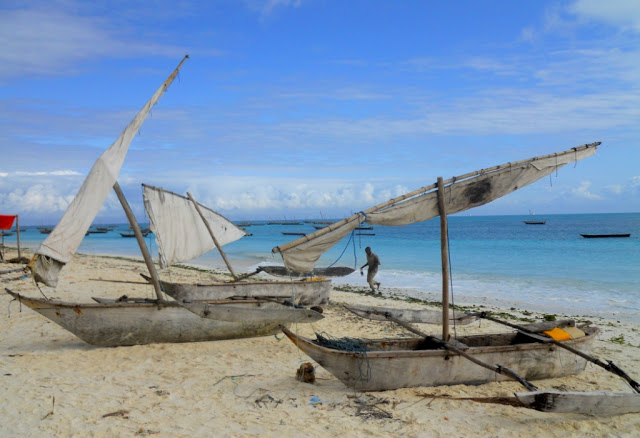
597	236
534	221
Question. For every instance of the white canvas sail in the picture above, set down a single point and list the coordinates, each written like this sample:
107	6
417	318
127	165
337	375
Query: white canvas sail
461	193
60	246
180	231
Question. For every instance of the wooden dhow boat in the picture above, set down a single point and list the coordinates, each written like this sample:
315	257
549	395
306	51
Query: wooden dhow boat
311	292
387	364
140	321
186	229
372	365
333	271
134	321
422	316
604	236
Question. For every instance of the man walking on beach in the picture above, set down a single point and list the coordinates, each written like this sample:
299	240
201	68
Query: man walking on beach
373	262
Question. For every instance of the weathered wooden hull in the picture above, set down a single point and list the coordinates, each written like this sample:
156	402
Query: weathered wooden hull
408	315
119	324
399	363
306	293
334	271
590	403
240	313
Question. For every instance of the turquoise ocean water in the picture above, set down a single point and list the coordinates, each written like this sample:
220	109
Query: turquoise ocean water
496	260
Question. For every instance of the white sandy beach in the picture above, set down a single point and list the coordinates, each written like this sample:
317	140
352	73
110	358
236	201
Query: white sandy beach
54	384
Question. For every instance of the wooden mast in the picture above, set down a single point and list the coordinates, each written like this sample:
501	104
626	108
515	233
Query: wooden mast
444	249
206	223
140	239
18	234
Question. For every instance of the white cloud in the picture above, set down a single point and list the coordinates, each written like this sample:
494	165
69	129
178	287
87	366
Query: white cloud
50	40
624	14
267	7
583	191
53	173
616	188
38	198
3	174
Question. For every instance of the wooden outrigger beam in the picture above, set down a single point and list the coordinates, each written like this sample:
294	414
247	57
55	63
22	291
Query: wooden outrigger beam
610	366
451	347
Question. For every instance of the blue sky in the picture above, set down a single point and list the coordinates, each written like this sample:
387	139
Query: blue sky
300	108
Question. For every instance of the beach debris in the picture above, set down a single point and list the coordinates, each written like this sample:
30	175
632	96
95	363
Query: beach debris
369	412
264	400
369	408
19	260
508	401
121	413
306	373
315	401
162	392
143	432
53	404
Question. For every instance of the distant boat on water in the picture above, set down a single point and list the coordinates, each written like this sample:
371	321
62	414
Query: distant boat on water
535	222
596	236
145	233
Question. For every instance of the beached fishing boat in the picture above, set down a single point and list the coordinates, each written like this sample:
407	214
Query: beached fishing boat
371	365
387	364
333	271
422	316
137	322
133	321
185	230
305	292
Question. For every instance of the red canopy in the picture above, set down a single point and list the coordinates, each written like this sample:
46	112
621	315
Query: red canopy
6	222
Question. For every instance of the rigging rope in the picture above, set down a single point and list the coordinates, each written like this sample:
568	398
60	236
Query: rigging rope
345	249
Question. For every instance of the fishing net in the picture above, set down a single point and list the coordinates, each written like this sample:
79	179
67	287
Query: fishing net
351	345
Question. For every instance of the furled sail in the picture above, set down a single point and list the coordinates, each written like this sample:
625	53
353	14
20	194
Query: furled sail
461	193
180	231
60	246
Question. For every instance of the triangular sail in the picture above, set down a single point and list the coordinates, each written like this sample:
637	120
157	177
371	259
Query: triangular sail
461	193
60	246
180	231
